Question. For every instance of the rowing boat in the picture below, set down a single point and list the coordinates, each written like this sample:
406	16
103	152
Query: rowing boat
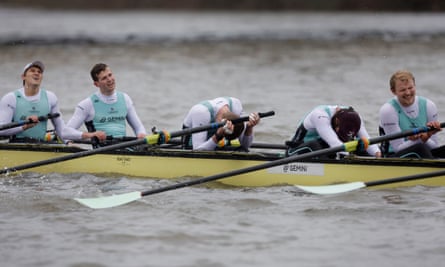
171	163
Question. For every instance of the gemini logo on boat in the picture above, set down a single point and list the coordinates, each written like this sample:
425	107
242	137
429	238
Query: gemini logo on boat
299	169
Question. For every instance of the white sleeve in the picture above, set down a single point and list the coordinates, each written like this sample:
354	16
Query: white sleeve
58	122
237	107
7	108
133	118
246	141
321	121
389	121
83	112
199	115
372	149
433	115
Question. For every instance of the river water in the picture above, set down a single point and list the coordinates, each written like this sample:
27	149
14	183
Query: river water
167	61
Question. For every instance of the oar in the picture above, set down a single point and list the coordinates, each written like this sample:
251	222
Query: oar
347	187
21	123
176	143
121	199
149	139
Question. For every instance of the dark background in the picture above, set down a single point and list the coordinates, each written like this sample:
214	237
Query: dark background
242	5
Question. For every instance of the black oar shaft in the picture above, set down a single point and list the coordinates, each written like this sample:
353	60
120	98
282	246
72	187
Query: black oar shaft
406	178
242	171
21	123
405	133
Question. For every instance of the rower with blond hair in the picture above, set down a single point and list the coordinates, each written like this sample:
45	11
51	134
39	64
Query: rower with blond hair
404	111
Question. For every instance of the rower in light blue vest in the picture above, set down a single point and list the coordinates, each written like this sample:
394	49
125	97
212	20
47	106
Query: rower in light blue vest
405	122
406	111
216	110
212	112
28	104
329	126
110	117
26	108
105	113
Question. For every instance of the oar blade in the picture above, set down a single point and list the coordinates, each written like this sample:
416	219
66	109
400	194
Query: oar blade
332	189
109	201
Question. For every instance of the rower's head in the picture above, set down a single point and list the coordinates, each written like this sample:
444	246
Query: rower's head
103	78
33	71
346	123
238	128
403	85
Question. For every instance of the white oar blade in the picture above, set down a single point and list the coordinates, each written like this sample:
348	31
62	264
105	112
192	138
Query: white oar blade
332	189
109	201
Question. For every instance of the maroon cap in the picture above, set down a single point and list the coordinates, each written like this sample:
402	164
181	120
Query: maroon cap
348	121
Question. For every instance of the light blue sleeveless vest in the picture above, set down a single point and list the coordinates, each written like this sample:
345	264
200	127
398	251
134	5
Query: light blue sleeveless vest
405	122
110	118
25	108
212	114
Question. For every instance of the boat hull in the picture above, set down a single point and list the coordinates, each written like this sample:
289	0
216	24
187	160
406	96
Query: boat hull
176	164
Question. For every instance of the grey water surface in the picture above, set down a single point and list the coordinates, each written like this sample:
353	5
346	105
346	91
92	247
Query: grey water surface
167	61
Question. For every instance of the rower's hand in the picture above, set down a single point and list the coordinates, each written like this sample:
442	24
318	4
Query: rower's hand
435	125
141	136
102	136
227	128
254	119
33	122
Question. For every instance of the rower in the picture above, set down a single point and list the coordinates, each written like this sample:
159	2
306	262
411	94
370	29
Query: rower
330	126
217	110
29	103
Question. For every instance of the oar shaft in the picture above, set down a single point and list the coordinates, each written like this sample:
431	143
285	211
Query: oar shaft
244	170
406	178
21	123
401	134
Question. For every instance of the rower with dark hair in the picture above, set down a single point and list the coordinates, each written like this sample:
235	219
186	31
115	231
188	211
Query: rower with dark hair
104	113
329	126
29	103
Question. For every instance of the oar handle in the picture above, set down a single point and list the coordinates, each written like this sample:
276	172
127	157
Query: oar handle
21	123
216	125
261	114
49	116
401	134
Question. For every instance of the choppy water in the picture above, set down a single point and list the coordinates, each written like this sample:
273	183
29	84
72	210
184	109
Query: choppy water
287	62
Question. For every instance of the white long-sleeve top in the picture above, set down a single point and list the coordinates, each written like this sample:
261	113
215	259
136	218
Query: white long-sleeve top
389	121
8	105
84	112
320	121
199	115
